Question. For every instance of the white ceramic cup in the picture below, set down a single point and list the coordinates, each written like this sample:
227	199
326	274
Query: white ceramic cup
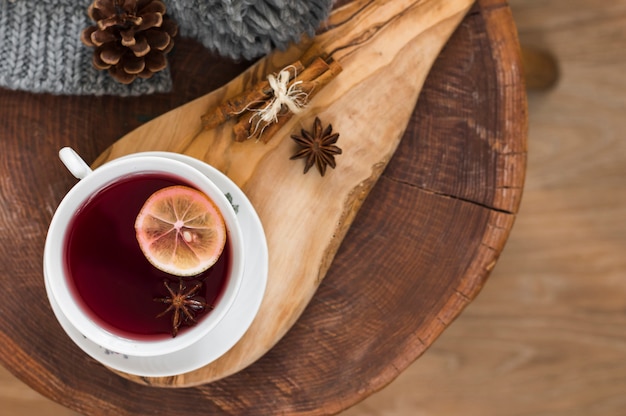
91	182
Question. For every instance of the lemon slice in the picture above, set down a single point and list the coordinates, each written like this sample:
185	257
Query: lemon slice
180	231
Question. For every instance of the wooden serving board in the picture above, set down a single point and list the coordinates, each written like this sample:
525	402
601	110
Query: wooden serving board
386	49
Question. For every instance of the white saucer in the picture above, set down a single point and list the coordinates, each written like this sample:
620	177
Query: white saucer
234	324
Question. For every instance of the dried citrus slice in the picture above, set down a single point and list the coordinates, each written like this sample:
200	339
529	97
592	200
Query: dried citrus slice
180	231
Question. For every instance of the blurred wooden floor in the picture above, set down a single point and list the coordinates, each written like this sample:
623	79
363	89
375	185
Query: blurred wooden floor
547	335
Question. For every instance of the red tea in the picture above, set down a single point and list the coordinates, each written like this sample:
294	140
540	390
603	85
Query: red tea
115	283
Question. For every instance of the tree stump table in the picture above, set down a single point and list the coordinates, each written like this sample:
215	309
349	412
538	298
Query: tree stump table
418	252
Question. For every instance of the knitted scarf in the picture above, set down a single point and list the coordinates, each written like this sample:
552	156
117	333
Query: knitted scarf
41	51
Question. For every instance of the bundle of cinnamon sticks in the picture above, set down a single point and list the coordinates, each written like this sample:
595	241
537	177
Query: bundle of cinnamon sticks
243	107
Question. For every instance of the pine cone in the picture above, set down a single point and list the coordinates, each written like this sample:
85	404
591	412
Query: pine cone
131	37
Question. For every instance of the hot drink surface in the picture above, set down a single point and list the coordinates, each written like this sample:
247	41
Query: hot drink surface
115	283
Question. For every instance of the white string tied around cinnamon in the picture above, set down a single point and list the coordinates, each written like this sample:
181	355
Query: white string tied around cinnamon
290	96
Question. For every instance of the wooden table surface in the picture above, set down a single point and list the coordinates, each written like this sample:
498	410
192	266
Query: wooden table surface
418	252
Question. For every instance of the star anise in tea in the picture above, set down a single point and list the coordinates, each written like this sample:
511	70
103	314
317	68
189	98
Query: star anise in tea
317	147
184	304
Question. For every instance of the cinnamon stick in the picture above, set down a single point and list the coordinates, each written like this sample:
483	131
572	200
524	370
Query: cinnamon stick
231	108
312	79
241	129
311	72
310	87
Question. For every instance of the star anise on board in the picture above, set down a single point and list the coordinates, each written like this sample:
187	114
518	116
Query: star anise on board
184	304
317	147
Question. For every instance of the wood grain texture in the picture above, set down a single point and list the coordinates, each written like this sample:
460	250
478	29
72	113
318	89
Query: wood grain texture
386	50
418	251
547	334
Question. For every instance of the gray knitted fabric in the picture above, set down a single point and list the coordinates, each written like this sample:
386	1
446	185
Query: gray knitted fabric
41	51
248	28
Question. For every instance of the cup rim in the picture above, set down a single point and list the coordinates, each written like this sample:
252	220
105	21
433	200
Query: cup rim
80	194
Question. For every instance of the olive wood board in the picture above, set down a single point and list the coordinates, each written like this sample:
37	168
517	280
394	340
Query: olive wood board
385	49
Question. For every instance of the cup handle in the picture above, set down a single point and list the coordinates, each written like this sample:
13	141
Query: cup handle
74	163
